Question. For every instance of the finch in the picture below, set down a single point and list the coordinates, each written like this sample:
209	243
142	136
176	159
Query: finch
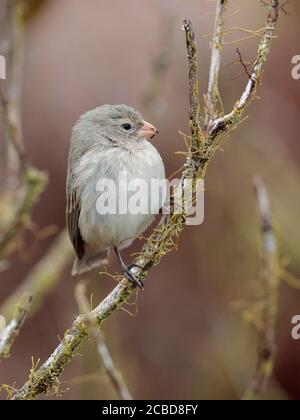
106	142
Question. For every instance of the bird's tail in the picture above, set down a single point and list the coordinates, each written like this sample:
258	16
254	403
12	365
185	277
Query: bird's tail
87	263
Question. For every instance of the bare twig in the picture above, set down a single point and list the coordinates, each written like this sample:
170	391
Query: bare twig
212	96
271	277
44	276
10	333
112	372
241	61
166	234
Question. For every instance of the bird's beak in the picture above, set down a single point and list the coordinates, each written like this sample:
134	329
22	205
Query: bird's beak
147	131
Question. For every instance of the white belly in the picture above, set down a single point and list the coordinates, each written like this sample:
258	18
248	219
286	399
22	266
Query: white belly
115	216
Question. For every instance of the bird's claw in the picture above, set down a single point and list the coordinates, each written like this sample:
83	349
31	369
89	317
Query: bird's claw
132	277
134	266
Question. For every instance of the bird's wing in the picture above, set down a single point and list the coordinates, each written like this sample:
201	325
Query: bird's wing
73	213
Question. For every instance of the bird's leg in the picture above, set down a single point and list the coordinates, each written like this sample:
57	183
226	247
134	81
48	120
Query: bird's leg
127	270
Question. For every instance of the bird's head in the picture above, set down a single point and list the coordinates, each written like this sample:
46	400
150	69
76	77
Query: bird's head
119	124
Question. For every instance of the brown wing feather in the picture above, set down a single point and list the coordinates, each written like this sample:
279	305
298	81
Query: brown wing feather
73	213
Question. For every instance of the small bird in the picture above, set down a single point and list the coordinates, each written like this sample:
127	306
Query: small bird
106	142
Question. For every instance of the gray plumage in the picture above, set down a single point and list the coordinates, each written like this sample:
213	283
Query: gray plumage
102	146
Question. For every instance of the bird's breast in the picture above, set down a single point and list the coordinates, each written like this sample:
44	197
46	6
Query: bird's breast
122	192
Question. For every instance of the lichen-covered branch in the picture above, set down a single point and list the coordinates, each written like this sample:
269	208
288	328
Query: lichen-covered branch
46	378
191	47
224	123
114	375
10	333
44	275
164	237
212	96
270	282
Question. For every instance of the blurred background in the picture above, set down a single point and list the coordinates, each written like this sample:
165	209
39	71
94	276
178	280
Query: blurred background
183	339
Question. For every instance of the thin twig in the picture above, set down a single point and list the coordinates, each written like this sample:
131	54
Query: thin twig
270	277
245	65
43	277
10	333
212	96
164	237
114	375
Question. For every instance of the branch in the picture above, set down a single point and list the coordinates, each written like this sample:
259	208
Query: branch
34	184
10	333
44	276
224	123
113	374
33	181
161	241
191	47
270	277
212	96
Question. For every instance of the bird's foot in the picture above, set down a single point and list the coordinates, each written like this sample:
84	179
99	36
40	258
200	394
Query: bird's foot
132	277
134	266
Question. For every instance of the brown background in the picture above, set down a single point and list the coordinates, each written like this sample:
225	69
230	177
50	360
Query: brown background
186	340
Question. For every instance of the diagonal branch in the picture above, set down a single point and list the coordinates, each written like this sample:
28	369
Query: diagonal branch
164	237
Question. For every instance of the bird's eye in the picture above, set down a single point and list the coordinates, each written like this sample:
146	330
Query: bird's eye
126	126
